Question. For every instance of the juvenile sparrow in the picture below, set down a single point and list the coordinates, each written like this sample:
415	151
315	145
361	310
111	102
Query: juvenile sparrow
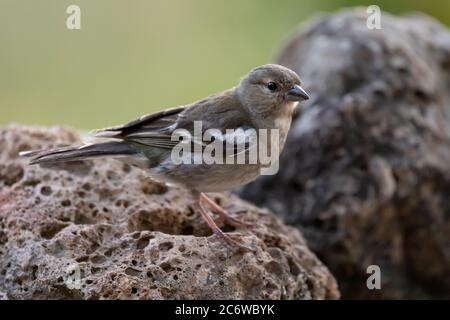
264	99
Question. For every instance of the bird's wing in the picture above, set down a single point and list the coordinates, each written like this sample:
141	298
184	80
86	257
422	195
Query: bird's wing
150	121
153	129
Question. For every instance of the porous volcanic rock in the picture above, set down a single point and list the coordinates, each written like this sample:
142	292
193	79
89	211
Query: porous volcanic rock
102	230
365	173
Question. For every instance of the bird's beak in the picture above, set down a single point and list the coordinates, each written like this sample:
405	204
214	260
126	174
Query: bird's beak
296	93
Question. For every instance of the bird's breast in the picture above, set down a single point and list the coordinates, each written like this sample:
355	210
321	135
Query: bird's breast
282	122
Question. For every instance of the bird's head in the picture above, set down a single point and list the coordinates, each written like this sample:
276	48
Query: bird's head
268	88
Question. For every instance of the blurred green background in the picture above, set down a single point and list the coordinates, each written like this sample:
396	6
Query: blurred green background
140	56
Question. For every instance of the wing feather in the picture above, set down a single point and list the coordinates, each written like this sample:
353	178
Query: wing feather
151	130
146	120
156	129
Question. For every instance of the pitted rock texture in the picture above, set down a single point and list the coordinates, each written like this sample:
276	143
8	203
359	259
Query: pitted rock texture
102	230
365	174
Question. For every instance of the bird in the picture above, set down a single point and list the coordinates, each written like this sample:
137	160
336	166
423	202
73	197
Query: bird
264	99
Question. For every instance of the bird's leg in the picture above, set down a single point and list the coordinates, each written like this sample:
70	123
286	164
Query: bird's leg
225	238
222	213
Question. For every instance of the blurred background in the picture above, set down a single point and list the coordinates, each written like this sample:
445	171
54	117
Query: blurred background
140	56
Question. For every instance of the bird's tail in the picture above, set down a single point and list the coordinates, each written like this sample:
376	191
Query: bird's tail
110	148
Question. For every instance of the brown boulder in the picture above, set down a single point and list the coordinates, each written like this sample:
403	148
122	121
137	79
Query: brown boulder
103	230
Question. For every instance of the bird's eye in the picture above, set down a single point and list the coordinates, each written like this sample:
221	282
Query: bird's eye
272	86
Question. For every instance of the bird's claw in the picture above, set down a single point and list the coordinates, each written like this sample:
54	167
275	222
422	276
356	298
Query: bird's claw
233	239
236	222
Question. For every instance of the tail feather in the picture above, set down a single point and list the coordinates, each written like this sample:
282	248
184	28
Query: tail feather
111	148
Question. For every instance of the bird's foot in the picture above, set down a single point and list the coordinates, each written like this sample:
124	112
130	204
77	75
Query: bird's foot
232	239
223	215
235	222
229	239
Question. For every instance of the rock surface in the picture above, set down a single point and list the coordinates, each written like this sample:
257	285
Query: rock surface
365	174
102	230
